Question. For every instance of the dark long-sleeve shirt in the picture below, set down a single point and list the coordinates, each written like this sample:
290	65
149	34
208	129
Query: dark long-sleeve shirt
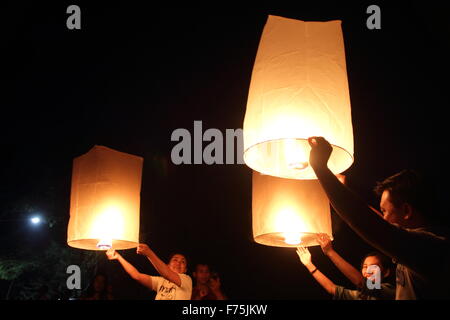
422	255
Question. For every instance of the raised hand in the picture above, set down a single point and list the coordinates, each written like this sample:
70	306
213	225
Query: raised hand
214	284
325	243
320	152
143	249
203	291
112	254
304	255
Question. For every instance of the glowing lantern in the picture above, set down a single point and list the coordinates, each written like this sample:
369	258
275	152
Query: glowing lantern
288	212
298	89
105	200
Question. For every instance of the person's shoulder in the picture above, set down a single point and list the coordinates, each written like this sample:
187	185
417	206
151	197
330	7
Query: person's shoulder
342	293
185	275
387	285
186	281
436	232
156	279
388	288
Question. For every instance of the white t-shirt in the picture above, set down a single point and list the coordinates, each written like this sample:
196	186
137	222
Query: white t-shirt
166	290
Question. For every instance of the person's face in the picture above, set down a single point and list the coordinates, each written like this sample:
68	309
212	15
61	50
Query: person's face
178	263
391	213
370	261
99	284
202	274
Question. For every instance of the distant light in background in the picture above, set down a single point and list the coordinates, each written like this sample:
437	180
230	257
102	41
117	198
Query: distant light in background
35	220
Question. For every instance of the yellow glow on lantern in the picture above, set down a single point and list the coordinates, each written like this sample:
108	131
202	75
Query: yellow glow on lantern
292	238
288	221
105	244
287	212
105	200
289	225
295	155
298	89
108	226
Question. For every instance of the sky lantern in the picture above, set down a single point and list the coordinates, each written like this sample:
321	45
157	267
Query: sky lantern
298	89
105	200
289	212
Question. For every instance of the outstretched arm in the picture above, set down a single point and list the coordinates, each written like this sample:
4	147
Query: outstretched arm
305	258
389	239
142	278
162	268
343	179
346	268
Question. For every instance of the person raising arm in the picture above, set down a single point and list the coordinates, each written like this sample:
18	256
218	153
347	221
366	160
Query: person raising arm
172	284
346	268
385	292
403	233
305	258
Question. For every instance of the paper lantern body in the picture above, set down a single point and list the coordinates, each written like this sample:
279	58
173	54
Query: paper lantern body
298	89
105	200
288	212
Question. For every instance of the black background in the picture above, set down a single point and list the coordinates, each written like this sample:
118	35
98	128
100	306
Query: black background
135	73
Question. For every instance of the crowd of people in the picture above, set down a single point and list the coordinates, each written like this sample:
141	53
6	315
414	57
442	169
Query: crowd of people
403	233
173	282
410	260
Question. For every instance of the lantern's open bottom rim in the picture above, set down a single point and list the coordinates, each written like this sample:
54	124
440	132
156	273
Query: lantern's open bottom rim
303	139
276	239
246	151
91	244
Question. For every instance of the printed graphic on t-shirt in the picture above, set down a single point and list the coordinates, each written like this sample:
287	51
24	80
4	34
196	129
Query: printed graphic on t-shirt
167	290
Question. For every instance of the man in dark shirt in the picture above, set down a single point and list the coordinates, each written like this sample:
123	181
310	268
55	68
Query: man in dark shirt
405	233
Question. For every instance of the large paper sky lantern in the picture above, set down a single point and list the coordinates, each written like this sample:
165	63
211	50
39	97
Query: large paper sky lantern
105	200
298	89
288	212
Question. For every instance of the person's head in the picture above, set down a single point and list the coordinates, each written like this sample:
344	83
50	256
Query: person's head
377	259
202	273
178	263
404	199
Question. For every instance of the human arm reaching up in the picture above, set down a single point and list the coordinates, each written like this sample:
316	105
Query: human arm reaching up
346	268
142	278
394	241
305	258
162	268
343	179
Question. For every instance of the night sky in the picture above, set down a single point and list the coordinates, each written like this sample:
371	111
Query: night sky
134	74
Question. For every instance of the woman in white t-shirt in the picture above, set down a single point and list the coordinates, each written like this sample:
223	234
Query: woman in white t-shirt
172	284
